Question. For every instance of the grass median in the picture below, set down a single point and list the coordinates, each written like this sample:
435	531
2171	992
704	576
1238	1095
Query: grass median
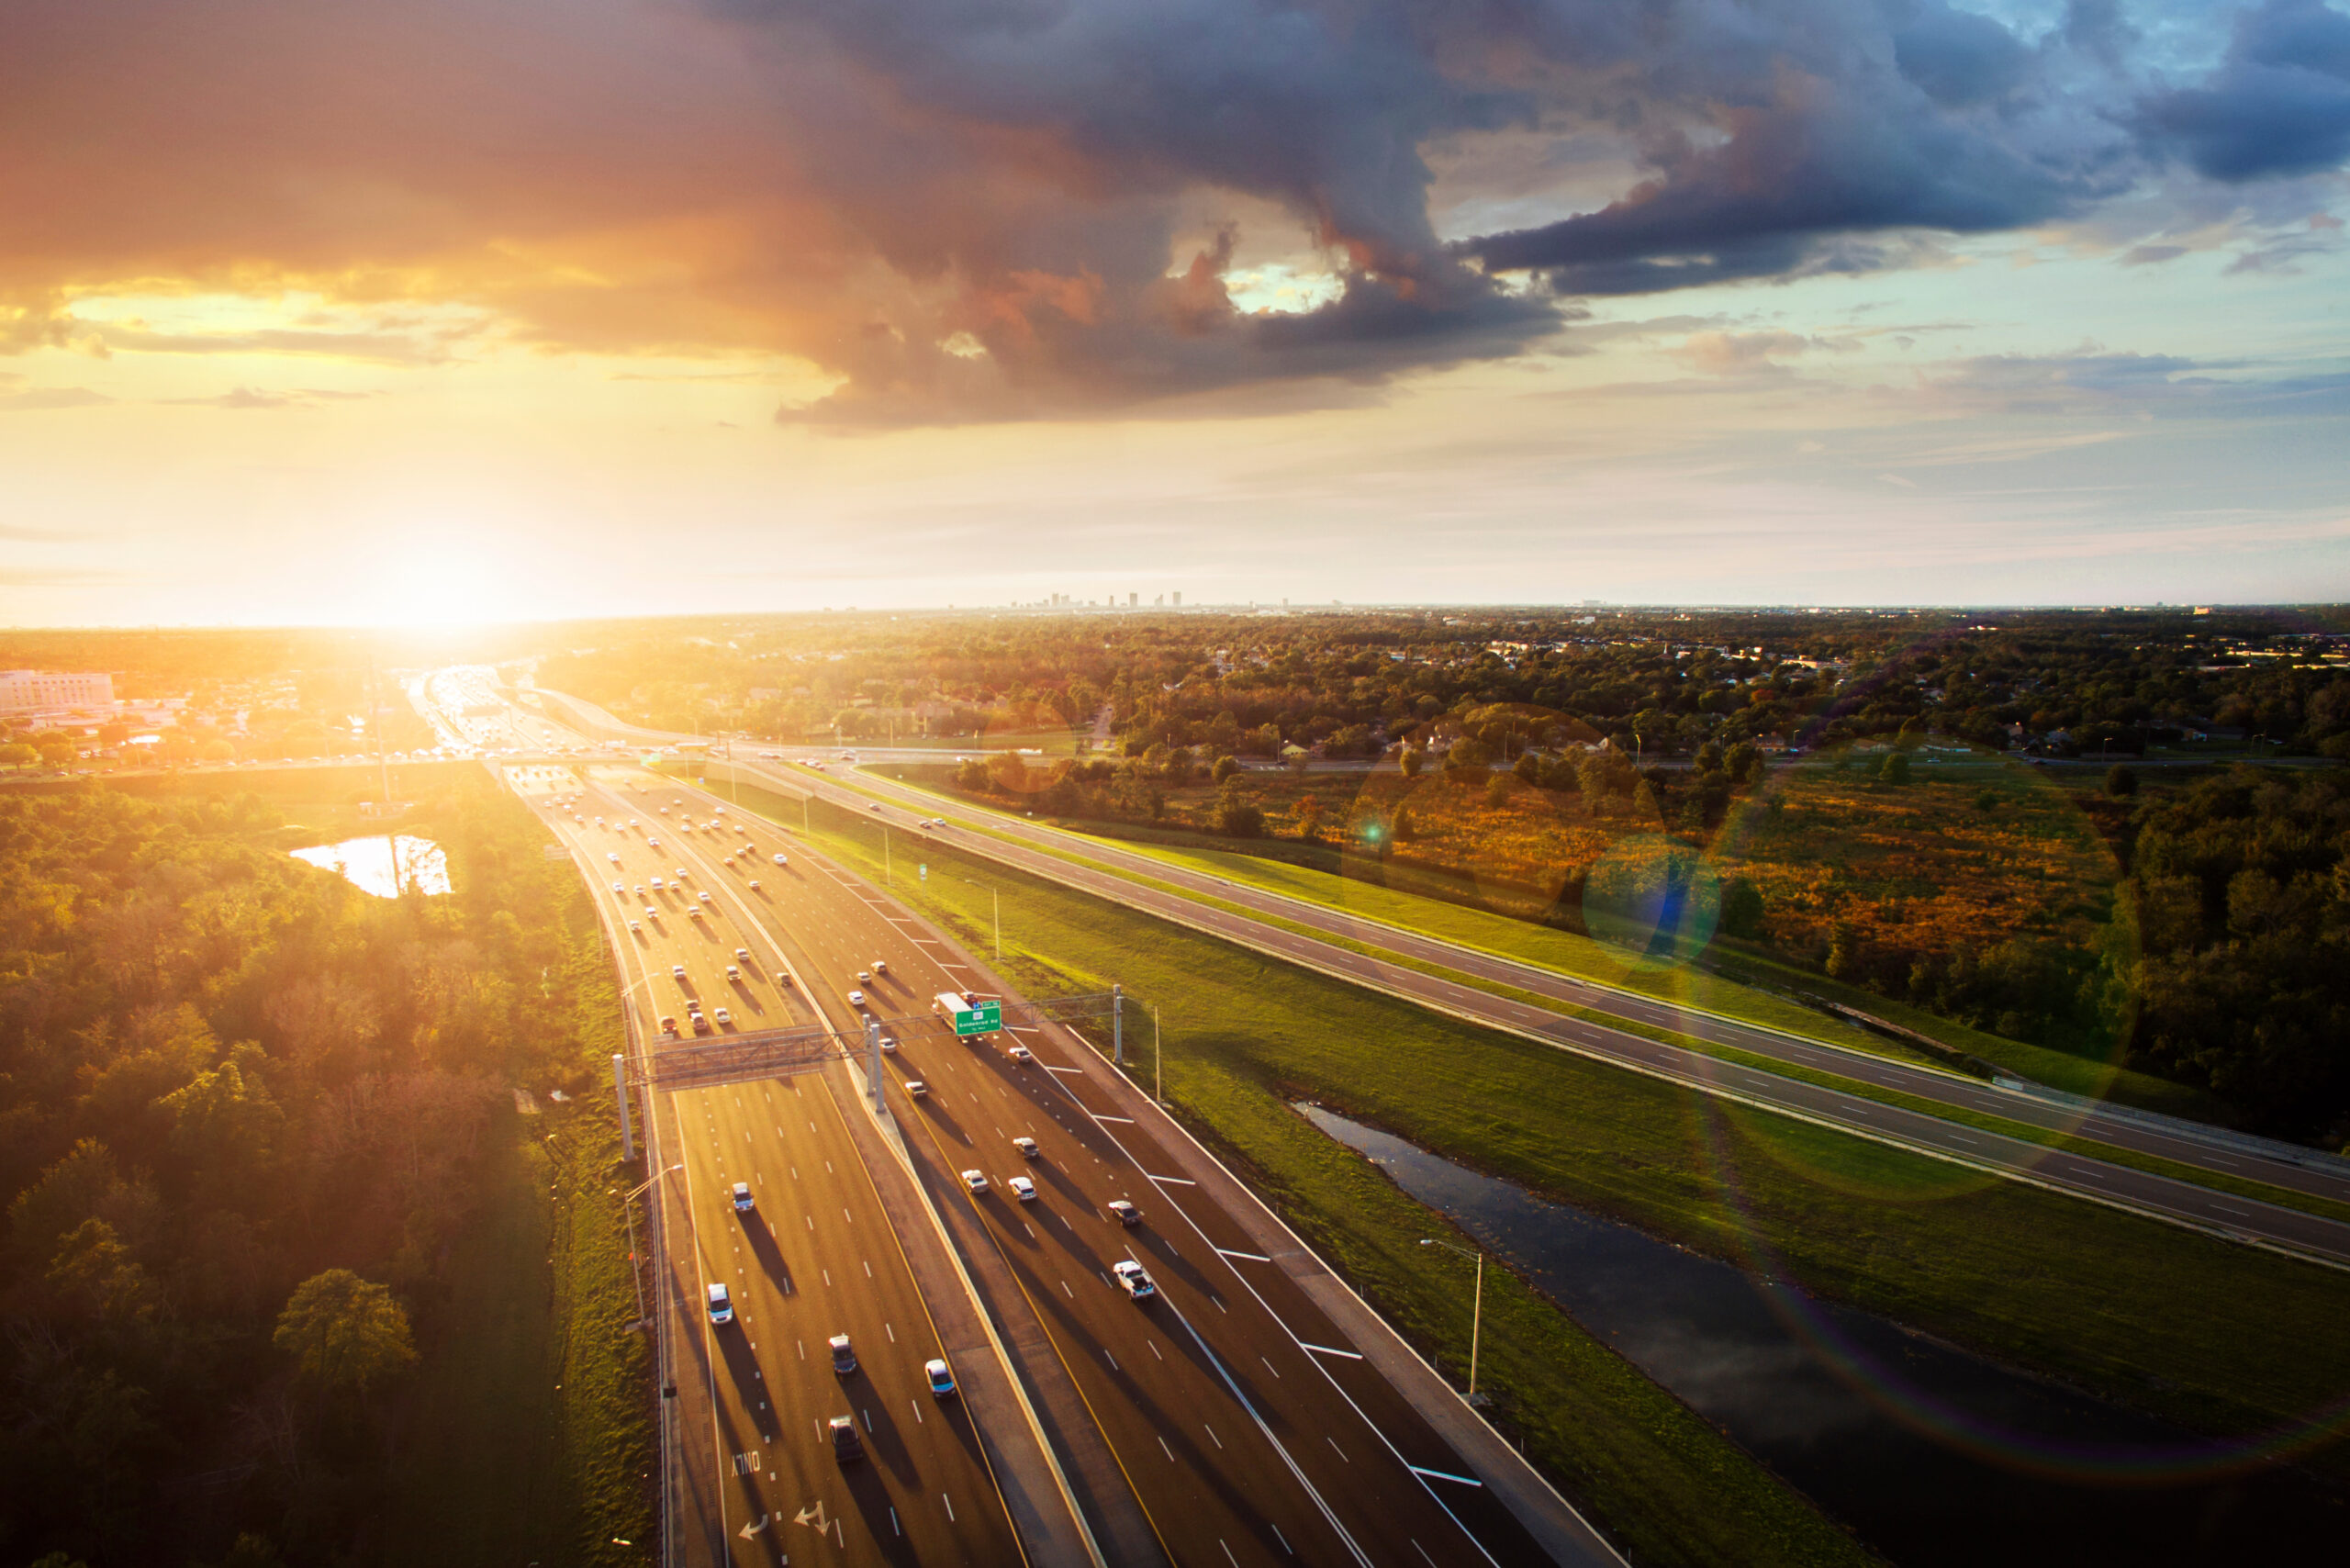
2227	1340
1749	987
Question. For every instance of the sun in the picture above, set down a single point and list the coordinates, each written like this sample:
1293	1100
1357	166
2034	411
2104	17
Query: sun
438	583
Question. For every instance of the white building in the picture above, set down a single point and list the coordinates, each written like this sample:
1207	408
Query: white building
38	690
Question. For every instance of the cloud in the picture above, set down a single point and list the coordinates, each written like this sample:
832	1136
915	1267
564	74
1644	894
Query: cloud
1080	197
1727	353
2278	105
42	398
247	397
2093	382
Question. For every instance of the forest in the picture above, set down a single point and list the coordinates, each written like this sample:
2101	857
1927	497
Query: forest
246	1113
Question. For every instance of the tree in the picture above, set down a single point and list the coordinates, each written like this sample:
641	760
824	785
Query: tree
343	1331
1225	767
17	754
1235	817
1309	817
1413	761
1742	909
2120	782
1529	768
973	775
1497	790
1895	768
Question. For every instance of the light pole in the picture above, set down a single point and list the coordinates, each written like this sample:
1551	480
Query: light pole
997	899
1157	1061
1477	1314
628	1207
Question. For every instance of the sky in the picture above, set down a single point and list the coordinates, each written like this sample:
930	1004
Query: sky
449	310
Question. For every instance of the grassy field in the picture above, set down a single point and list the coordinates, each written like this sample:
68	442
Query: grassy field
1733	980
1973	855
2225	1339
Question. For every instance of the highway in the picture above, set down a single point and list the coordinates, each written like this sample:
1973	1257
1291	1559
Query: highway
814	1257
2229	1214
2219	1213
1239	1442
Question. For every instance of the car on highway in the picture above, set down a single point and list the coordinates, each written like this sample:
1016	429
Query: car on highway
701	1025
881	968
620	889
722	1306
694	909
781	860
681	873
631	822
742	954
652	914
677	972
1023	1189
976	1180
720	1016
1125	1213
734	972
865	977
1021	1053
942	1381
783	978
669	1024
754	884
843	1354
847	1446
703	897
916	1088
742	1197
636	928
857	999
938	822
638	889
1027	1147
652	844
613	857
875	806
1132	1280
658	884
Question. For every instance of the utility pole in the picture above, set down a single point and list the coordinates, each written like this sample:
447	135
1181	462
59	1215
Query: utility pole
619	1092
628	1207
888	875
1118	1024
1157	1061
873	1059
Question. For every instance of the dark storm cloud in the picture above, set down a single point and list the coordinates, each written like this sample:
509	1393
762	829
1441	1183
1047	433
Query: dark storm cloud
1842	125
2280	104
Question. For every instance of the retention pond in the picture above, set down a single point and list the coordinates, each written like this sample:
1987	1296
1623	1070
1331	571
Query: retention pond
386	864
1932	1455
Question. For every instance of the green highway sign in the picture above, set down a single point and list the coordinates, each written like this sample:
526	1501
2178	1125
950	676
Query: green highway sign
925	871
985	1018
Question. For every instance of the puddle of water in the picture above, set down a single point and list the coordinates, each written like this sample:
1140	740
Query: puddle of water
1932	1456
384	864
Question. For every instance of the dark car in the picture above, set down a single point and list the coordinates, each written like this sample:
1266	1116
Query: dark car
847	1446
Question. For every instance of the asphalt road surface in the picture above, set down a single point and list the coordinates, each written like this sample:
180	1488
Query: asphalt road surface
1246	1425
2243	1218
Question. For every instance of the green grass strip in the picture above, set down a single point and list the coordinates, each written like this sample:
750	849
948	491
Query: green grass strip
2221	1338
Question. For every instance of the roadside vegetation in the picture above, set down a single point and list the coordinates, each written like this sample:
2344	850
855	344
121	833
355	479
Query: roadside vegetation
2227	1340
287	1270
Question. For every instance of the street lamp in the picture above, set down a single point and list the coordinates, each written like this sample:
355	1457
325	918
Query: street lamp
1477	1314
628	1207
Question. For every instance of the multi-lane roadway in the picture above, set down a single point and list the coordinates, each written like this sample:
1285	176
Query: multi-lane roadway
1244	1423
1328	946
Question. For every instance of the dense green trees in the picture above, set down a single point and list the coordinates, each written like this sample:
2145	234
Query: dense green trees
2229	958
224	1073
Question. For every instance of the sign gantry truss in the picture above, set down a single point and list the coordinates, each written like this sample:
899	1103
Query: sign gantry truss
778	1053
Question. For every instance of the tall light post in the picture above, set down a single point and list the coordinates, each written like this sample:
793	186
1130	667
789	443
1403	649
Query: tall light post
628	1207
1477	1314
997	899
1158	1060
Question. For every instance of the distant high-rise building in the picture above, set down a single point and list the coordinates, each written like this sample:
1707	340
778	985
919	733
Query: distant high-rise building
1178	599
1158	602
31	691
1133	599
